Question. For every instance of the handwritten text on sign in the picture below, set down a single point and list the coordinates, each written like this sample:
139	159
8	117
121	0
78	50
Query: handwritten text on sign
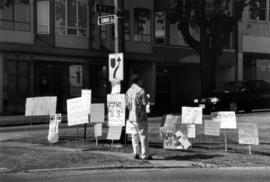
248	133
116	109
211	128
191	115
227	119
77	111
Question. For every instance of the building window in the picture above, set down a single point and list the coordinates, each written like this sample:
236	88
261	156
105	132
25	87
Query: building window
127	25
142	25
43	17
72	17
160	27
257	11
18	85
15	15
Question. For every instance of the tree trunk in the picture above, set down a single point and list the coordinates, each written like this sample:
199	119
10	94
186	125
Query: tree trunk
208	75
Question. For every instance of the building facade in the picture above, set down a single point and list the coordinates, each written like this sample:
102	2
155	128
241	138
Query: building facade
56	48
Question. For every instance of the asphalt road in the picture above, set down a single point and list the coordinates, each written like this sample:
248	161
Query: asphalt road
156	175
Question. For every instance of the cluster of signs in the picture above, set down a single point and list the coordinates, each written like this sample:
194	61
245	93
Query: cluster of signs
174	138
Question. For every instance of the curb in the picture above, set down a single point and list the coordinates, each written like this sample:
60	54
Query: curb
106	168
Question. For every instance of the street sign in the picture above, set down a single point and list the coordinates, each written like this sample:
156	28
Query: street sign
105	8
104	20
116	67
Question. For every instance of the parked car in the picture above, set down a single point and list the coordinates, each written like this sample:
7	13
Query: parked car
235	96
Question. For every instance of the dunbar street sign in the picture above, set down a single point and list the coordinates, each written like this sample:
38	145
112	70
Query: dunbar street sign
104	20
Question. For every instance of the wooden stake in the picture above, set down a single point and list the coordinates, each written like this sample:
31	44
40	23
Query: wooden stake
225	138
96	141
249	148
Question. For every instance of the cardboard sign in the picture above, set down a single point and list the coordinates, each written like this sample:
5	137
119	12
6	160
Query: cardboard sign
37	106
170	141
191	115
175	140
97	113
191	131
116	109
248	133
77	111
114	133
86	95
98	130
171	122
183	140
227	119
116	87
211	128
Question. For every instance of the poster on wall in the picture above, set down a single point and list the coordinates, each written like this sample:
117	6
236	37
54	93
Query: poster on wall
116	109
76	75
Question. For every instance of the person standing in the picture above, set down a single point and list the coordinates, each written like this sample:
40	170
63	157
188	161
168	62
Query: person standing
136	100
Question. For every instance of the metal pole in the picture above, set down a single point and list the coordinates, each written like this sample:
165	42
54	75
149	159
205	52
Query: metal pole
116	40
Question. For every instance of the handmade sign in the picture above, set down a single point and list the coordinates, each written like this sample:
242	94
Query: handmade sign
211	128
86	95
170	141
227	119
191	115
37	106
77	111
98	130
116	87
171	122
97	113
55	119
248	133
191	131
175	140
116	109
114	133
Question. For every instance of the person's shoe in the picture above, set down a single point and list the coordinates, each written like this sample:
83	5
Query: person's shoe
148	158
136	156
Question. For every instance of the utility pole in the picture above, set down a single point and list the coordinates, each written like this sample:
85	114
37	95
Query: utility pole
120	47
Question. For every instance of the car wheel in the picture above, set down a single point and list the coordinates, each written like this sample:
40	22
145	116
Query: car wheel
233	106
